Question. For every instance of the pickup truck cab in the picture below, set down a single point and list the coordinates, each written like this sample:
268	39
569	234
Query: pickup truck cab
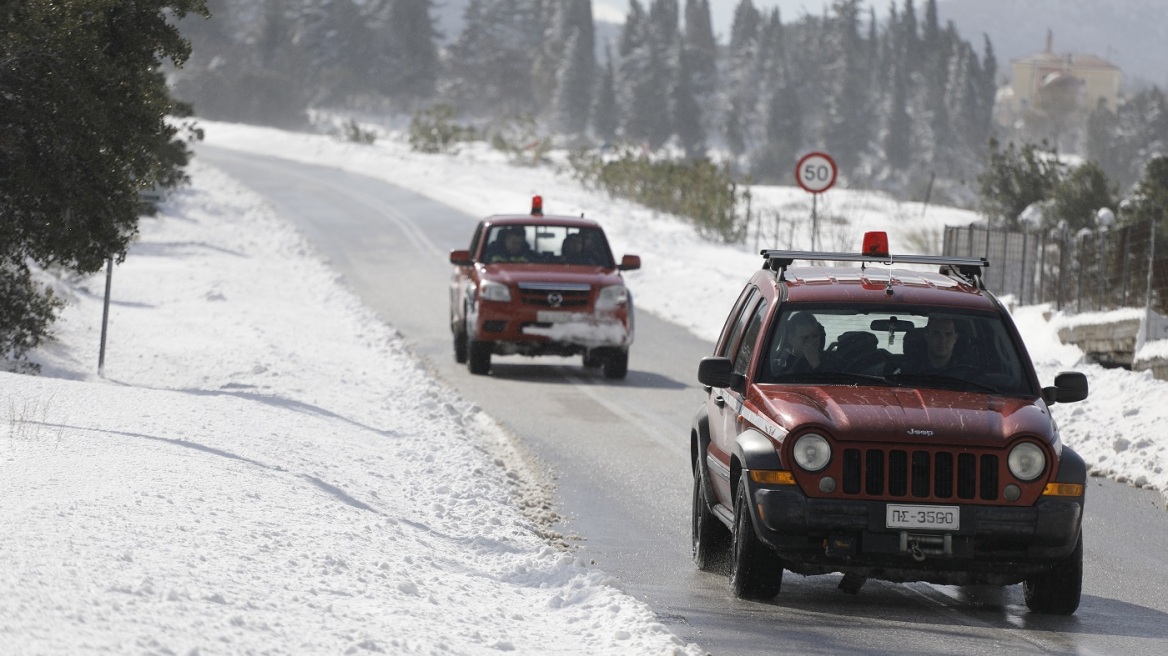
534	285
883	422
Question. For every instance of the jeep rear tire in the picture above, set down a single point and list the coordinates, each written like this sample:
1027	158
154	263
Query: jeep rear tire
755	569
711	540
479	357
1057	591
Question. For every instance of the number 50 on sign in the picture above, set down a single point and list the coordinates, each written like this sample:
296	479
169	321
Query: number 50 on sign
816	172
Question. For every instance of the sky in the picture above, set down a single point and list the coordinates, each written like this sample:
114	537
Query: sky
220	487
722	11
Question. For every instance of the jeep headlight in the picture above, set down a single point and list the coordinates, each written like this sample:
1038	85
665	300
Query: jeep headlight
812	452
612	297
1026	461
494	291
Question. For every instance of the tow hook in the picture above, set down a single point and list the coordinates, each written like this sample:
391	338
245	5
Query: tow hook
917	554
923	546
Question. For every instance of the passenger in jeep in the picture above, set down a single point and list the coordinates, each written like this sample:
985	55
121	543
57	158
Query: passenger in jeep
801	349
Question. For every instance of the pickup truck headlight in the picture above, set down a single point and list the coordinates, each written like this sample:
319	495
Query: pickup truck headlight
812	452
612	297
1026	461
490	290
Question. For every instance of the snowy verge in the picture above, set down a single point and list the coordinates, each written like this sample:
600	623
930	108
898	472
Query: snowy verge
265	468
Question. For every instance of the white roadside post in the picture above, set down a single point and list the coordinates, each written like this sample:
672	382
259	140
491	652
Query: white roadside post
816	173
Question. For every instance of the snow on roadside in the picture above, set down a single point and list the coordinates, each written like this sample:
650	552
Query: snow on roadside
264	467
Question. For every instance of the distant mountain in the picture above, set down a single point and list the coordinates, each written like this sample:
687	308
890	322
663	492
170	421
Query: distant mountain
1132	34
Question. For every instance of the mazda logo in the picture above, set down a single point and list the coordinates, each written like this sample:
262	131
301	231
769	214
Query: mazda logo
555	299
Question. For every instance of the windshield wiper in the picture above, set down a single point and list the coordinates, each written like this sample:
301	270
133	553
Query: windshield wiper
836	376
951	380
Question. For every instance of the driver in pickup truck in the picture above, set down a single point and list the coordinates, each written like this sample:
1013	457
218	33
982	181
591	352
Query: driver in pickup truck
514	247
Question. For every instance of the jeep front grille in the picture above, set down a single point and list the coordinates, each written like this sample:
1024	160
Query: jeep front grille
555	295
920	474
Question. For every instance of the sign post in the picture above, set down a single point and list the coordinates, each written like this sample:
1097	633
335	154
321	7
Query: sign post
816	173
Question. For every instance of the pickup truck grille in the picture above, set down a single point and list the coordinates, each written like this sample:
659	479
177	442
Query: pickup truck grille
555	295
920	474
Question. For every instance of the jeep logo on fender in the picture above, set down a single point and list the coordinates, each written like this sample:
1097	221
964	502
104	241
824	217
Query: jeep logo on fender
555	299
917	431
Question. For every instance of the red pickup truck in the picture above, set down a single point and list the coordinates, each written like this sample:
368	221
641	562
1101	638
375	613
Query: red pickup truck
533	285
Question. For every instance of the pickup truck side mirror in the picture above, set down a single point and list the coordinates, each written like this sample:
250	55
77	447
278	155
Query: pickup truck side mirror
461	257
1069	387
719	372
630	263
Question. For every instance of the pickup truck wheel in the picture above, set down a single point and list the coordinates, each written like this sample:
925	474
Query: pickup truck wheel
755	569
1057	592
460	345
479	357
711	540
616	364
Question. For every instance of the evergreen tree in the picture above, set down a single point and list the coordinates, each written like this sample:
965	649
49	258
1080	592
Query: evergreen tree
605	115
411	65
1015	178
898	135
572	98
1150	201
741	82
847	134
1078	195
701	54
491	62
82	132
687	115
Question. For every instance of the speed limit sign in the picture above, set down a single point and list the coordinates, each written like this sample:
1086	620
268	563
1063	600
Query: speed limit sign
816	172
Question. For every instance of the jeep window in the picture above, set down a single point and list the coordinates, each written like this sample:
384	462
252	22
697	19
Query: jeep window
890	345
745	352
737	321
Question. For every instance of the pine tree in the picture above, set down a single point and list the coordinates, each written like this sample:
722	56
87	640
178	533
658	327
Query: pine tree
411	66
687	114
701	55
605	115
577	75
491	62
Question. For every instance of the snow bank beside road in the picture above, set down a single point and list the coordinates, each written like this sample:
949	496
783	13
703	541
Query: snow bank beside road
257	473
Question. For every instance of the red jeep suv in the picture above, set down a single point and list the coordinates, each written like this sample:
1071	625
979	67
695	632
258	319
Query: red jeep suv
887	423
541	285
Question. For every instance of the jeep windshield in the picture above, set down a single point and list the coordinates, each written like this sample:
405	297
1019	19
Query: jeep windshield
901	345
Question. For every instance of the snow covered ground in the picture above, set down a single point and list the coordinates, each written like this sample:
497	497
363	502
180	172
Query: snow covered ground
234	483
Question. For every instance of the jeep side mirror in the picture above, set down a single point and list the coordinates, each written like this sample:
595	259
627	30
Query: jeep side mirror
630	263
1069	387
461	257
719	372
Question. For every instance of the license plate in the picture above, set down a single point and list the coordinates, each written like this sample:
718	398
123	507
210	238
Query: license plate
552	316
945	518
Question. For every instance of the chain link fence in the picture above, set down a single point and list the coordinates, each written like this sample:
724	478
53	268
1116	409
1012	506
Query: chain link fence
1085	271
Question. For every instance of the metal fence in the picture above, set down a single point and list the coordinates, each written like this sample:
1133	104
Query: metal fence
1085	271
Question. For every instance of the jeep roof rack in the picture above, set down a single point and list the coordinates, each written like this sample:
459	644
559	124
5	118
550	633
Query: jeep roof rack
876	250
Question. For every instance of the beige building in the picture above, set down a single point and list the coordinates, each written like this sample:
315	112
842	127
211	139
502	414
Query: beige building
1084	78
